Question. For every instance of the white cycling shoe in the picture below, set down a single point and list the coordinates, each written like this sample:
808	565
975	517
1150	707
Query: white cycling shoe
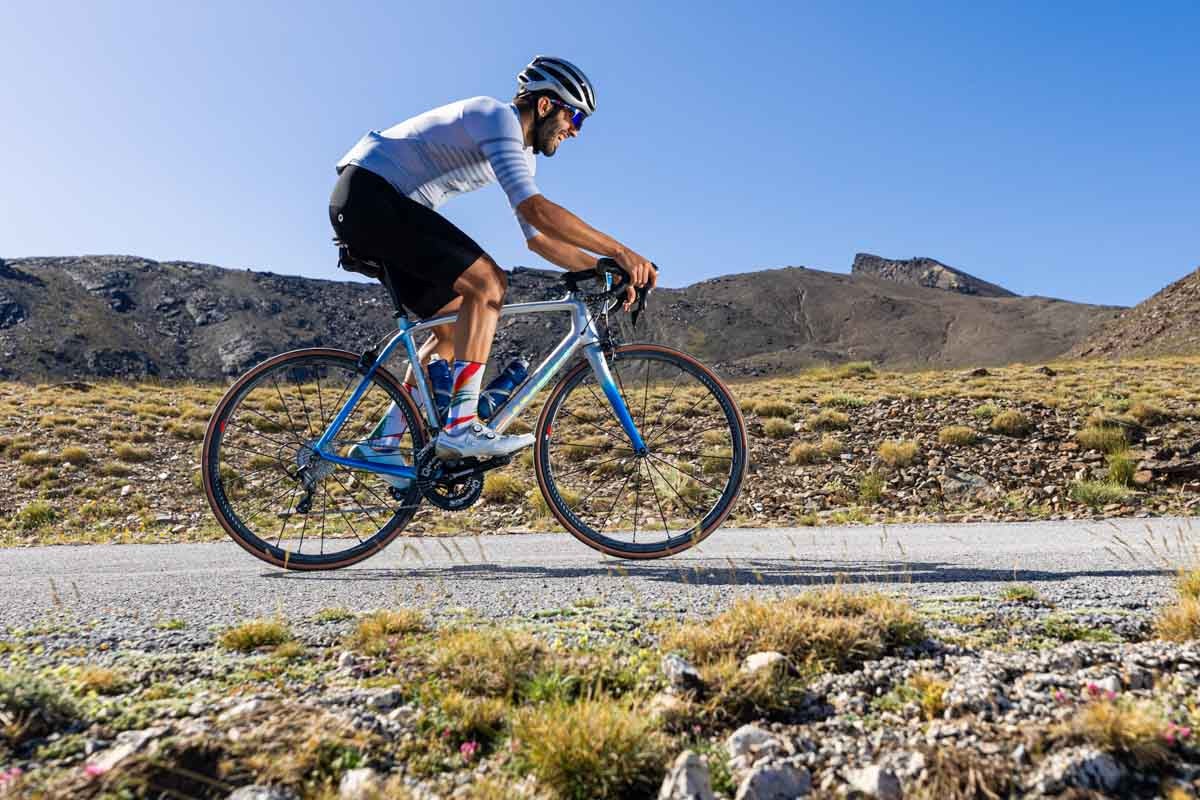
478	441
383	455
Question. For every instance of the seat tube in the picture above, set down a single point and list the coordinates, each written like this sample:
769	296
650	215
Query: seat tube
428	406
595	357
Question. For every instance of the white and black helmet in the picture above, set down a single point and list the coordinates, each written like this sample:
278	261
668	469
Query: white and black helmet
562	78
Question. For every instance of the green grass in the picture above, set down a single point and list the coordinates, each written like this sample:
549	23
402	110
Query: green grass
1020	593
1099	493
841	401
1121	468
36	514
870	487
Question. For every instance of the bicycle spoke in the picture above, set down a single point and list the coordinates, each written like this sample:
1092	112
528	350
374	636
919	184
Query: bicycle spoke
260	434
255	452
282	402
685	473
617	499
286	515
304	405
658	502
679	417
589	466
623	439
682	499
670	397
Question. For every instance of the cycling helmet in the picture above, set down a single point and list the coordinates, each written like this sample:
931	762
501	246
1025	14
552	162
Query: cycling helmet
561	78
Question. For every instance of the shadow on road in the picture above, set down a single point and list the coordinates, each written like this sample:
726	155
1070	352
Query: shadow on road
744	573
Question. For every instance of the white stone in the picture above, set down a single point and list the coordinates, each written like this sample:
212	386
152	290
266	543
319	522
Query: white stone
756	661
775	782
875	781
385	700
1078	767
126	744
345	660
262	793
1109	684
126	490
359	784
687	779
240	710
679	673
749	740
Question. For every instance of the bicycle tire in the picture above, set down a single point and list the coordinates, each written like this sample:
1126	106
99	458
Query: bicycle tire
214	481
559	502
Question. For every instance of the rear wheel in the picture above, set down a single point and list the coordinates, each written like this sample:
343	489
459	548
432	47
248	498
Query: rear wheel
269	489
657	503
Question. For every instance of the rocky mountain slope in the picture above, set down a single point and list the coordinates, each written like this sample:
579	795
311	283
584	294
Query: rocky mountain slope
1166	323
132	317
926	272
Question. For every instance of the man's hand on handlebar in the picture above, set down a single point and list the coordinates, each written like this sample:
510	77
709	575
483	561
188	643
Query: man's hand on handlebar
641	273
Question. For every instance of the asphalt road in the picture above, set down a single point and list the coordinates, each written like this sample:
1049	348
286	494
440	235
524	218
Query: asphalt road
1122	564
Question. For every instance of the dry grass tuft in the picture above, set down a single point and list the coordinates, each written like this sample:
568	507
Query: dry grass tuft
898	453
1103	438
1011	423
841	401
831	446
770	408
131	454
804	453
595	748
775	428
492	662
829	420
1148	414
36	514
31	707
101	680
501	487
74	455
826	628
1098	494
958	435
870	487
1020	593
378	632
250	636
1121	468
1131	729
1180	621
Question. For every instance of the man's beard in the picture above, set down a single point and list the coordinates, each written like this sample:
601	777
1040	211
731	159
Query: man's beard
545	139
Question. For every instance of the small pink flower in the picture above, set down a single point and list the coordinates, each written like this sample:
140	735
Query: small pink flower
1060	696
1169	736
468	750
446	733
1110	695
1184	732
94	770
1093	690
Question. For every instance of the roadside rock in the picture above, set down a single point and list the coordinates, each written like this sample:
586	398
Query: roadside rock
1079	768
775	782
687	779
127	744
256	792
680	674
750	740
764	660
875	781
359	784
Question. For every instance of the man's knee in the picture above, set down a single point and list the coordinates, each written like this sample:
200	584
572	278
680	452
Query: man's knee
483	280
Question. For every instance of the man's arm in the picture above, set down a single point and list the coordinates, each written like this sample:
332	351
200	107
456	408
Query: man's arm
560	253
558	223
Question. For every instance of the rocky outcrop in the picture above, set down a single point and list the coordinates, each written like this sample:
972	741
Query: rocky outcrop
1167	323
925	272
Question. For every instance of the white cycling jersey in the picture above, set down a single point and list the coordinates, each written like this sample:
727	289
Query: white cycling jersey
450	150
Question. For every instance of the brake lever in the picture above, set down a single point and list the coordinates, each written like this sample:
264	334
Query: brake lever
639	306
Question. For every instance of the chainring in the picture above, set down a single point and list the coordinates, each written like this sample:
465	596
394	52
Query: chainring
451	490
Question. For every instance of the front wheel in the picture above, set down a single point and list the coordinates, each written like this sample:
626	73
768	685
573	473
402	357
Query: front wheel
659	502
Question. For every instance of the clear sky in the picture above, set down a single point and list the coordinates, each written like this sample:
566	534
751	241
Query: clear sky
1048	147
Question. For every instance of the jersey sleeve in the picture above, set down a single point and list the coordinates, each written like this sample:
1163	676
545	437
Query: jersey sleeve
498	134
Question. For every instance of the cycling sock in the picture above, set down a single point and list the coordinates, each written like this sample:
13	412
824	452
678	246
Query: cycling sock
390	430
464	399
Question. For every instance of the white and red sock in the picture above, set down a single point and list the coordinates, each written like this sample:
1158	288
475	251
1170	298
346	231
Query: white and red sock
391	429
464	398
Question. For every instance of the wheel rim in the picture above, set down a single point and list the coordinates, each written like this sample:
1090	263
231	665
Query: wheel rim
260	463
666	499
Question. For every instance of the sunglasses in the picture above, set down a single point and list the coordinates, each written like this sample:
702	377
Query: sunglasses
577	116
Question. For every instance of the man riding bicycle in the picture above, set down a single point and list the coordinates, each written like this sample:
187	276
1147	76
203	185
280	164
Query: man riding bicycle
383	207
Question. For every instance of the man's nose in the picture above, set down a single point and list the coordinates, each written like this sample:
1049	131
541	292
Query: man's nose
572	131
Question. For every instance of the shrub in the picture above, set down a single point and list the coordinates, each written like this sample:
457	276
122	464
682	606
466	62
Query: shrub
131	454
1131	729
870	488
734	695
1020	593
829	420
501	487
959	435
1104	439
717	461
38	458
493	662
775	428
831	446
770	408
1121	468
898	453
114	470
841	401
1180	621
36	514
1148	414
376	632
101	680
1098	493
75	455
1011	423
985	411
595	748
804	453
252	635
824	628
190	432
31	708
715	437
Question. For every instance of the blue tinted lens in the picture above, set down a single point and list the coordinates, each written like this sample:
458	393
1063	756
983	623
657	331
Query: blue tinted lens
577	119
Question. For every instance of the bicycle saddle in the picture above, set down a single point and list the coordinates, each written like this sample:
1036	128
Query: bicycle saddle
352	263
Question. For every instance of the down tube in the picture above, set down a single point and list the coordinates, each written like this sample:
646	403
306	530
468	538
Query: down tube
595	357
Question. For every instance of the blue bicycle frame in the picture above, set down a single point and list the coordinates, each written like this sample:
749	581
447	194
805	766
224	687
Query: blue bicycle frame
583	335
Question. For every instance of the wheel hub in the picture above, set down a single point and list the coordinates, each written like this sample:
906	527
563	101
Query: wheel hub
313	469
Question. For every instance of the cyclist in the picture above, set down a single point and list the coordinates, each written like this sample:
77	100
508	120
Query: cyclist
384	207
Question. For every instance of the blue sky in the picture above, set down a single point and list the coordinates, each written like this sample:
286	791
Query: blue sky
1050	148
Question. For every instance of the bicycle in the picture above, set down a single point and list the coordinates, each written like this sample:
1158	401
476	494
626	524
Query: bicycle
667	435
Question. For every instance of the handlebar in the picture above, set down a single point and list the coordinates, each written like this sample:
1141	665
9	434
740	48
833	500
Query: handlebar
609	267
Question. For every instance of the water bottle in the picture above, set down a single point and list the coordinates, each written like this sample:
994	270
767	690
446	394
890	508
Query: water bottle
440	383
497	392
